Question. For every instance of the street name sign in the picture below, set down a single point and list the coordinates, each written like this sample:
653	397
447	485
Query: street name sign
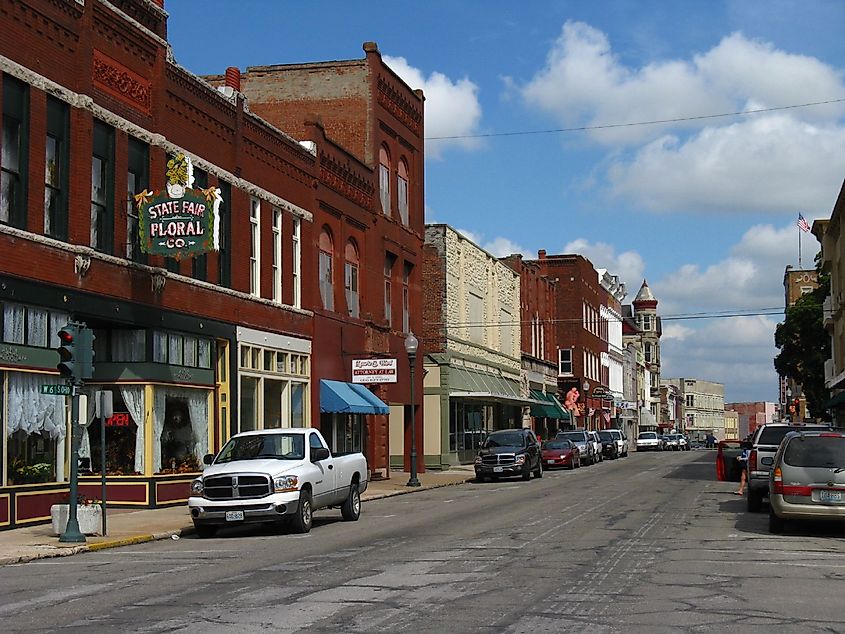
57	390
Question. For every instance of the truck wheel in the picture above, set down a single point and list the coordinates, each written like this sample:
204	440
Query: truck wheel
526	472
303	519
204	531
754	501
351	509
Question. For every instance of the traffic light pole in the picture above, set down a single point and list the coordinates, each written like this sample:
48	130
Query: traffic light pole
72	533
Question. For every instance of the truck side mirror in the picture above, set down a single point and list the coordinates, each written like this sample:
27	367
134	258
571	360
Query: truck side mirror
319	453
208	458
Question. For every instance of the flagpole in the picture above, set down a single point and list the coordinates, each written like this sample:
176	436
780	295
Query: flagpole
799	248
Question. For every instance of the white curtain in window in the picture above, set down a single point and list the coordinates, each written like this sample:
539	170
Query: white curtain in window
86	418
57	322
133	397
159	404
197	401
13	323
36	334
33	412
127	345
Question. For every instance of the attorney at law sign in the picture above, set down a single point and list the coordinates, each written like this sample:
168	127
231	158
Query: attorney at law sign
374	370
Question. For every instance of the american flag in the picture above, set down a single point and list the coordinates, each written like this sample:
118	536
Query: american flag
802	224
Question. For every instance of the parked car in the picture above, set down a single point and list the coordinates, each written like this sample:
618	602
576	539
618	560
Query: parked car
807	481
672	442
560	453
648	441
594	437
509	452
585	444
611	445
764	444
273	476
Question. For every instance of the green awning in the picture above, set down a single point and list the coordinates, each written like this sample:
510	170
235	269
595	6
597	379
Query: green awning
837	400
549	407
467	383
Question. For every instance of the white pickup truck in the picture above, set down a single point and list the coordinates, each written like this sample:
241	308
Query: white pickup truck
275	475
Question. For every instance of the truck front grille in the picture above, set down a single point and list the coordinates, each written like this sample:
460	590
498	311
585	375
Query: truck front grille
498	459
237	486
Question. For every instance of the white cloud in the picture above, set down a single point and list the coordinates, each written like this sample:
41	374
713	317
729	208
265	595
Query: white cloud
498	247
628	265
584	82
772	163
786	160
452	108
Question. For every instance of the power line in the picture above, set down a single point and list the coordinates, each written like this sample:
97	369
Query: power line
609	126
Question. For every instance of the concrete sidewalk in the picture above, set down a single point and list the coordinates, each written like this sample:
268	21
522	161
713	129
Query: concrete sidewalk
129	526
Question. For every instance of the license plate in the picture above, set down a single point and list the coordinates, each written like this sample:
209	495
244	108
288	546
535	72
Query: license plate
550	461
234	516
830	496
497	469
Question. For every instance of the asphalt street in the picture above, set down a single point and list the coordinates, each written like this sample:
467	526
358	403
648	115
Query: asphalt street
649	543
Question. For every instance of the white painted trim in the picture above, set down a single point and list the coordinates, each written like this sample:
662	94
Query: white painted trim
273	340
84	102
152	270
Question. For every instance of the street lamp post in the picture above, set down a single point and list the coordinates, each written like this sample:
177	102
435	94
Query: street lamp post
411	345
787	413
586	386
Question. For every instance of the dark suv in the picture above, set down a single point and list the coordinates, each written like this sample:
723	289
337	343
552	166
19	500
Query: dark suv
509	452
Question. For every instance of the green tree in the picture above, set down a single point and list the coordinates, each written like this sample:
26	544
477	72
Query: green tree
804	344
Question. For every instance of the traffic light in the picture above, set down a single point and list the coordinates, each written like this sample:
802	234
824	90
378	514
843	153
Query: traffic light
68	339
85	353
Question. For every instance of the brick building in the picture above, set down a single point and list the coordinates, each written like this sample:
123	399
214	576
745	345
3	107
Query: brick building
791	400
539	354
581	333
366	127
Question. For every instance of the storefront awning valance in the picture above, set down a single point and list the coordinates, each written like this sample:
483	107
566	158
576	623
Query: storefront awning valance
548	407
837	401
471	384
337	397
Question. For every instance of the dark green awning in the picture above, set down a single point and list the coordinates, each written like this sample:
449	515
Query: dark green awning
837	400
549	407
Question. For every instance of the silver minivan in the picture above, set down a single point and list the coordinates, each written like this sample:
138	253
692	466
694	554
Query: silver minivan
807	481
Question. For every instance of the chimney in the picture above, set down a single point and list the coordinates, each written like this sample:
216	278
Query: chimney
541	254
233	78
159	3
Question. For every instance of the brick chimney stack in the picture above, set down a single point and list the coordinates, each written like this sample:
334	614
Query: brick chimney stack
541	254
233	77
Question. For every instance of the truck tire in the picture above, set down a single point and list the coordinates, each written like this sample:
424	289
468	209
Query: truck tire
204	531
754	501
351	509
526	472
303	519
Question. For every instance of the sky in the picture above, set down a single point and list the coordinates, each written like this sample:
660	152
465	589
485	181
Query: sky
704	207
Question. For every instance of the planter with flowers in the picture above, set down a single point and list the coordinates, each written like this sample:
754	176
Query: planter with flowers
89	514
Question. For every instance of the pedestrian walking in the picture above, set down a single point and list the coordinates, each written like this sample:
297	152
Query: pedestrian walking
743	476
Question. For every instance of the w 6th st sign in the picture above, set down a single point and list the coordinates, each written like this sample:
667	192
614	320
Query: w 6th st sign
374	370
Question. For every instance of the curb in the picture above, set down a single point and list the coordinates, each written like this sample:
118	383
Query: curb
188	530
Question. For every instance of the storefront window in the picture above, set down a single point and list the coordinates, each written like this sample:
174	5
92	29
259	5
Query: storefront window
297	405
344	433
273	404
249	403
466	426
124	445
35	426
180	429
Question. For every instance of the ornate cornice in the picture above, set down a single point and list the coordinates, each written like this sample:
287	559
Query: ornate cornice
117	80
390	99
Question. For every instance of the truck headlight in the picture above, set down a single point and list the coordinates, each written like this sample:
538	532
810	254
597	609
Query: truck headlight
519	459
197	487
282	484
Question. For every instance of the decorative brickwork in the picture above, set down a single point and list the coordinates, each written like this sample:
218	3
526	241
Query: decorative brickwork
390	99
120	82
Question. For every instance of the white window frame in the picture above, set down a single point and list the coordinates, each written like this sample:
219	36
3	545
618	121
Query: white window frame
350	284
384	187
277	255
297	263
561	353
402	193
255	247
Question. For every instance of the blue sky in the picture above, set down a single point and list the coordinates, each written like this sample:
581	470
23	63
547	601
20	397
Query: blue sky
704	209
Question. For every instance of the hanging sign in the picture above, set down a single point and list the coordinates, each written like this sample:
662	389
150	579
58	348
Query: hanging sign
180	221
374	370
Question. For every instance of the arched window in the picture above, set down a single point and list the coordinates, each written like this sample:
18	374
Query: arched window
325	269
402	191
384	179
350	278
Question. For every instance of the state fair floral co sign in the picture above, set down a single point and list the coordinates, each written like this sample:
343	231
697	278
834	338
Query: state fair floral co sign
181	221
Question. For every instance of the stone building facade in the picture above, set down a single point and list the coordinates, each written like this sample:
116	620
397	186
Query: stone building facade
471	338
702	407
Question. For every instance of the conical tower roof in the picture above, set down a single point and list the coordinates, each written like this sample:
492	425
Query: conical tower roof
645	298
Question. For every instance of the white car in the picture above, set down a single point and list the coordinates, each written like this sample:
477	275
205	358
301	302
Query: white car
275	475
648	441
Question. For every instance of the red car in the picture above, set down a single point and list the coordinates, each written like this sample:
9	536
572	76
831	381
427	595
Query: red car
560	453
